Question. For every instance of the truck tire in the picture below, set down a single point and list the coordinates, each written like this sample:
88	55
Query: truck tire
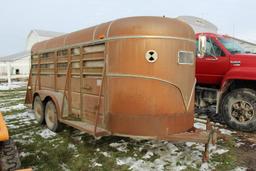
239	109
38	110
51	117
9	158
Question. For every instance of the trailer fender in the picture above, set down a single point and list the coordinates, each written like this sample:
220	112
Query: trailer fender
56	97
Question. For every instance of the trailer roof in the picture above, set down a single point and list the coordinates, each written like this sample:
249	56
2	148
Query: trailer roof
131	26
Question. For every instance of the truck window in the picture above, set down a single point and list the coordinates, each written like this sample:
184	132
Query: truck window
231	45
212	49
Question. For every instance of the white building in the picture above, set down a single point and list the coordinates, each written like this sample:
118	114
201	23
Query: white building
17	66
249	47
36	36
199	25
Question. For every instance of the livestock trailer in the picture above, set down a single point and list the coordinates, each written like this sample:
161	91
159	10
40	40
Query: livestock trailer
129	77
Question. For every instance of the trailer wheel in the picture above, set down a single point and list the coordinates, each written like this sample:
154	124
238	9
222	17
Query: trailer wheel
39	110
239	109
51	117
9	158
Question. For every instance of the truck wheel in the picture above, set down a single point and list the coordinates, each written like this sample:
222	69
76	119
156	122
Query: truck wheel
9	158
51	117
239	109
38	110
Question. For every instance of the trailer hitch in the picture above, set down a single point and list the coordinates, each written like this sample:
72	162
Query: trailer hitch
207	137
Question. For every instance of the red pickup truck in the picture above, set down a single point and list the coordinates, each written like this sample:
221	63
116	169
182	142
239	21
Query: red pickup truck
226	77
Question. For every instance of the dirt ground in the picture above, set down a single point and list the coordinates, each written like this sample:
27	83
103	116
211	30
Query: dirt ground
71	149
247	151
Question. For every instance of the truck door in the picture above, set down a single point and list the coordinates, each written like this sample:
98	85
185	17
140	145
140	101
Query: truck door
213	66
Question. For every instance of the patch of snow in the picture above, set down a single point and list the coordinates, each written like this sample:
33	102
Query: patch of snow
220	151
200	125
239	144
133	163
190	144
240	169
213	147
76	135
95	164
46	133
218	124
122	161
13	126
64	167
29	115
179	168
120	146
25	116
172	148
205	167
10	108
199	147
139	165
174	157
21	141
72	147
13	85
226	132
105	154
5	102
24	154
148	155
159	164
26	136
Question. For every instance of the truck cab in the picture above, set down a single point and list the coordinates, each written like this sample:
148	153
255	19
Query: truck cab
226	77
215	63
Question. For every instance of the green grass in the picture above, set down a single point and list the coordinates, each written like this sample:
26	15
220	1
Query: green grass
78	151
189	168
50	154
228	160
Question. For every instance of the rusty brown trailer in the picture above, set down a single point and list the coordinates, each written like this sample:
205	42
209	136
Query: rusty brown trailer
129	77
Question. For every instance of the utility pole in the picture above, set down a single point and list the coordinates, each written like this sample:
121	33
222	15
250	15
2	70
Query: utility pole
9	74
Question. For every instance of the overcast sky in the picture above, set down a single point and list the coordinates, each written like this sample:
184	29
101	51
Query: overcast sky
18	17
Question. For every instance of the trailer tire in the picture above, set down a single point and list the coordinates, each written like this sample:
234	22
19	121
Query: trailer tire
9	158
51	117
38	110
239	109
